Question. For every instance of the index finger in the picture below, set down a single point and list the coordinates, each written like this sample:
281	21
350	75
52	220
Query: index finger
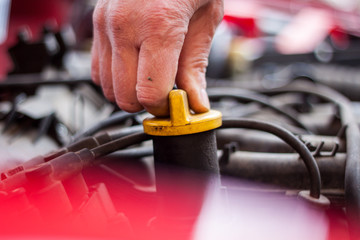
158	63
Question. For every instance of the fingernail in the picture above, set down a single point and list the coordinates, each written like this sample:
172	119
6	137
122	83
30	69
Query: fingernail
205	99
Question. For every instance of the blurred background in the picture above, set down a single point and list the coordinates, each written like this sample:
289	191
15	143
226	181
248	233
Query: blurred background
260	52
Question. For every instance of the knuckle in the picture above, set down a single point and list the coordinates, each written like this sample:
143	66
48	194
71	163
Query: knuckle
199	62
218	11
162	37
219	15
164	13
163	23
116	21
98	18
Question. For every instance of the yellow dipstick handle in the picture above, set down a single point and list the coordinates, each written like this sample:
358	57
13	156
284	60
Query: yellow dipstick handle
181	121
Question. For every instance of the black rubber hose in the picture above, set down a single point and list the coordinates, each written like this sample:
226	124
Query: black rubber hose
254	98
138	152
289	138
126	131
97	140
284	169
114	119
120	143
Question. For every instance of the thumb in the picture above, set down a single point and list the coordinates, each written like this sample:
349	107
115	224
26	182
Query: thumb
194	55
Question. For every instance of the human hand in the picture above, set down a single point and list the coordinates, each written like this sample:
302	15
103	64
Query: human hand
141	48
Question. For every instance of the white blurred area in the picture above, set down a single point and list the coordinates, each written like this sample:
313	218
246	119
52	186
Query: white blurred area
254	215
4	19
345	5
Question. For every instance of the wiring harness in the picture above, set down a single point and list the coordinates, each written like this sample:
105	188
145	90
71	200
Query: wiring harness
327	144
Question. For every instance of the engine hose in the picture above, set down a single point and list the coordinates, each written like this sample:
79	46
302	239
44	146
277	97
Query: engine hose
251	98
120	143
114	119
289	138
352	133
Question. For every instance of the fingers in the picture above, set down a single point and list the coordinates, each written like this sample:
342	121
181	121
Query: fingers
136	54
115	57
158	61
105	63
162	37
124	73
194	55
102	61
124	56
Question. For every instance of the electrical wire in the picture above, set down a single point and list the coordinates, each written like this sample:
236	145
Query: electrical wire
214	96
120	143
137	152
88	143
126	131
113	120
289	138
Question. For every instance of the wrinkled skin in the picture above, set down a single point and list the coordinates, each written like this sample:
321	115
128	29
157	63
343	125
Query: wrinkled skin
142	47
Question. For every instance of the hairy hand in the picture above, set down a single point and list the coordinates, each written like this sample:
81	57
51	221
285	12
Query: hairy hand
141	48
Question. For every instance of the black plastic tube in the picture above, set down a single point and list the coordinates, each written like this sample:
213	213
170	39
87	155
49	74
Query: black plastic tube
120	143
289	138
250	141
138	152
126	131
253	98
114	119
284	169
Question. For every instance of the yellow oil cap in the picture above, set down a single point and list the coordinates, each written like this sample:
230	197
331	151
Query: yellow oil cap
181	121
